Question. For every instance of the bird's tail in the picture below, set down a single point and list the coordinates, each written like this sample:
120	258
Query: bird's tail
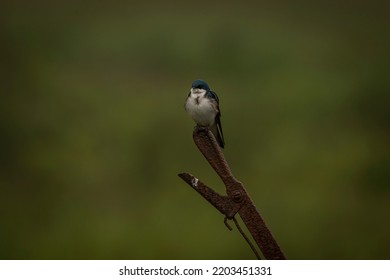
217	131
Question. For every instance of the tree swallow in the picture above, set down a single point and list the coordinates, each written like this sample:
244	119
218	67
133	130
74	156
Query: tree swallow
202	105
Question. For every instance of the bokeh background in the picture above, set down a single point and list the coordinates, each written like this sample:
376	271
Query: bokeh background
94	132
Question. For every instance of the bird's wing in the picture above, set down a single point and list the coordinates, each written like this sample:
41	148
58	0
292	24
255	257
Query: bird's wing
214	96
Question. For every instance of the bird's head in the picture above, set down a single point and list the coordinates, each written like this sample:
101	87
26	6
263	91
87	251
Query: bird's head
200	86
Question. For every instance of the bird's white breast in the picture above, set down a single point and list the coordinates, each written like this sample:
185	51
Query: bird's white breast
200	109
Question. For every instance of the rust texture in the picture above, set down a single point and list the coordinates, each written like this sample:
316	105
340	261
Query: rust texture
237	199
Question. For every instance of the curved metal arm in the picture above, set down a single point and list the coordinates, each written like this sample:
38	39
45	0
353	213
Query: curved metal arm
237	199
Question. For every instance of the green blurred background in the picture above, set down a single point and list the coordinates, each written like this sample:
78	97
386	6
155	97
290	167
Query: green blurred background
94	132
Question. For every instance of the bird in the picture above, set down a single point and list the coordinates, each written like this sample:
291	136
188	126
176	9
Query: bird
202	104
